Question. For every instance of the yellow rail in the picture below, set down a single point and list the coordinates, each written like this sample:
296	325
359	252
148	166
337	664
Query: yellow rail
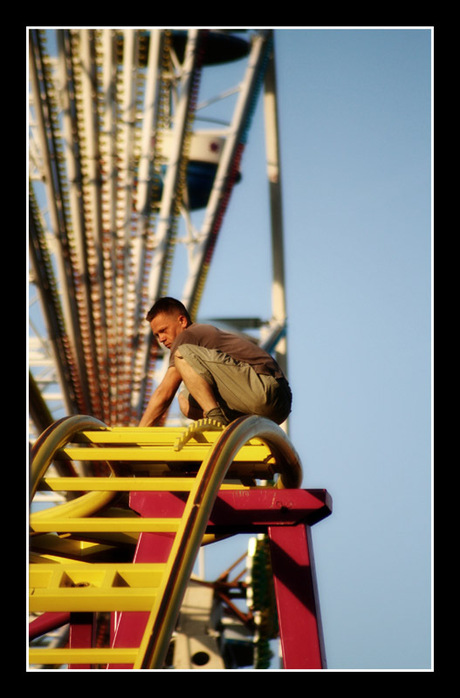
247	447
44	451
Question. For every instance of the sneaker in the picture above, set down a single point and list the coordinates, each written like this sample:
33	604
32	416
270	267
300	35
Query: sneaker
217	414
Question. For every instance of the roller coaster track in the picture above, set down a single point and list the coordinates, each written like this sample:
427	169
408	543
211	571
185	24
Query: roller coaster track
70	540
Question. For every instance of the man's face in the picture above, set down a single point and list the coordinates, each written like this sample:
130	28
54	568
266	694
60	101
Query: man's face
166	327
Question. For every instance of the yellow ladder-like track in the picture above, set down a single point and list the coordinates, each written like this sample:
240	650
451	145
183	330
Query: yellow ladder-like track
68	541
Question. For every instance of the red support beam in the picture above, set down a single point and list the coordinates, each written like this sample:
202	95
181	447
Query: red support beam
128	626
301	635
243	511
46	623
81	634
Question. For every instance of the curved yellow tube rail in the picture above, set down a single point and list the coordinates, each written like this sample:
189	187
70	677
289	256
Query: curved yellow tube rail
42	455
154	645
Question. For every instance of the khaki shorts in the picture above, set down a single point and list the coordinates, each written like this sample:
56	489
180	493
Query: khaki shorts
239	389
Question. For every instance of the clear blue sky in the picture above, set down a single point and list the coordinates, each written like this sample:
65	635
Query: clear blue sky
355	120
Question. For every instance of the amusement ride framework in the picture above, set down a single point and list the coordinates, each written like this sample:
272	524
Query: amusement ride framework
116	163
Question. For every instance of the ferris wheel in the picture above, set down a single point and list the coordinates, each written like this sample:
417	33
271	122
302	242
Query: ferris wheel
125	152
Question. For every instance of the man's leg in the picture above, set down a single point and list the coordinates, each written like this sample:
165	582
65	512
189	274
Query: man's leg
200	390
197	386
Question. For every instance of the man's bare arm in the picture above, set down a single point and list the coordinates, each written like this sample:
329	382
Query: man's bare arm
161	398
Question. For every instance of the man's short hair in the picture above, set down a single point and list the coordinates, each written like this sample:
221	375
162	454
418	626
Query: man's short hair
167	305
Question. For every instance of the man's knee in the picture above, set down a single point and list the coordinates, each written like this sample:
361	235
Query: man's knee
181	364
191	370
177	357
